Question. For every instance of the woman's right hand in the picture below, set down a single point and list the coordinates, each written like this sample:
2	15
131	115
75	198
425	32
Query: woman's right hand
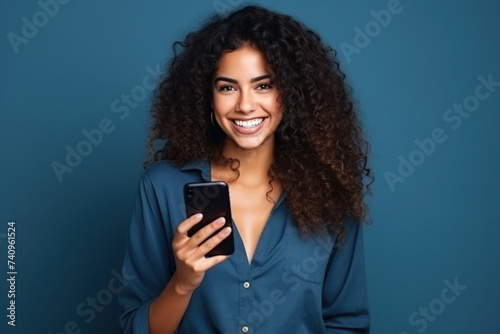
190	259
167	310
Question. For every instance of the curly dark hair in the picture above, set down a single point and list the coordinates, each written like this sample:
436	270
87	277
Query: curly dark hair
320	153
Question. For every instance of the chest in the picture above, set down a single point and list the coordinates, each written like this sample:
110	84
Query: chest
287	270
250	210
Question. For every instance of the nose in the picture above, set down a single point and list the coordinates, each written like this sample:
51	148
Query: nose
246	102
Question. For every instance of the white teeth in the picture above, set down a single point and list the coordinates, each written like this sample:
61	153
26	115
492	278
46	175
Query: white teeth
249	124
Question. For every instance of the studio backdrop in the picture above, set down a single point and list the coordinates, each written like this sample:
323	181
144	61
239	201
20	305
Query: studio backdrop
77	78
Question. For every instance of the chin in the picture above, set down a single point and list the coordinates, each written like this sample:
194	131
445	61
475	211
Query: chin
249	144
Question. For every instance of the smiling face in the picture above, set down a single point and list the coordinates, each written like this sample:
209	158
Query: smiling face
245	101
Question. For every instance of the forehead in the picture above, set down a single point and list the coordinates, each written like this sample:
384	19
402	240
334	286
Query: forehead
245	62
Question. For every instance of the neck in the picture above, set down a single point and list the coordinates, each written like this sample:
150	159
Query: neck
254	163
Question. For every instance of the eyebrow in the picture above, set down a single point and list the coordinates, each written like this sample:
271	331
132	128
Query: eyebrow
259	78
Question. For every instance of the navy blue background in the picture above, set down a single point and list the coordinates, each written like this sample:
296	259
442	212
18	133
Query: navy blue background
434	226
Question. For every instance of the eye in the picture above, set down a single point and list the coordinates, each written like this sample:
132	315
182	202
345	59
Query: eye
226	88
264	86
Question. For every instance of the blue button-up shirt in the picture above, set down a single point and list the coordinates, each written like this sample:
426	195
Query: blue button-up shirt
294	284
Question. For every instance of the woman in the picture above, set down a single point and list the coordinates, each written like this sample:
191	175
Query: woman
255	100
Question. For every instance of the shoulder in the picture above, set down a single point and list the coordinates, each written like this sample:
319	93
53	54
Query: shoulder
352	237
166	176
161	170
352	226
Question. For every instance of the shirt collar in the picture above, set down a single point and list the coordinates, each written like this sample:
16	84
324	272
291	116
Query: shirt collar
202	165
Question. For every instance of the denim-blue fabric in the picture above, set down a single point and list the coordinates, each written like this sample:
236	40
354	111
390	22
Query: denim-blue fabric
294	284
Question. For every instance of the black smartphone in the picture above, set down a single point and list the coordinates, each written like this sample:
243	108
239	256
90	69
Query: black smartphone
212	200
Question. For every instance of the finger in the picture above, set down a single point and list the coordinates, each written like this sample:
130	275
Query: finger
181	237
212	242
206	231
185	246
191	221
206	263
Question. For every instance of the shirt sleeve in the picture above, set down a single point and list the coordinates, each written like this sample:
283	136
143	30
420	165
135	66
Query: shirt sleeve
148	262
345	300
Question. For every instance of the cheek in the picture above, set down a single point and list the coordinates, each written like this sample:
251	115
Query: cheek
221	104
272	104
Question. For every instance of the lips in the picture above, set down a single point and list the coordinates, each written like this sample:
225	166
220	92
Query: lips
249	126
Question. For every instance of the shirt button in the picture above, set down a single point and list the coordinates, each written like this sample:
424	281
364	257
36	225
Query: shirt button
246	285
244	329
